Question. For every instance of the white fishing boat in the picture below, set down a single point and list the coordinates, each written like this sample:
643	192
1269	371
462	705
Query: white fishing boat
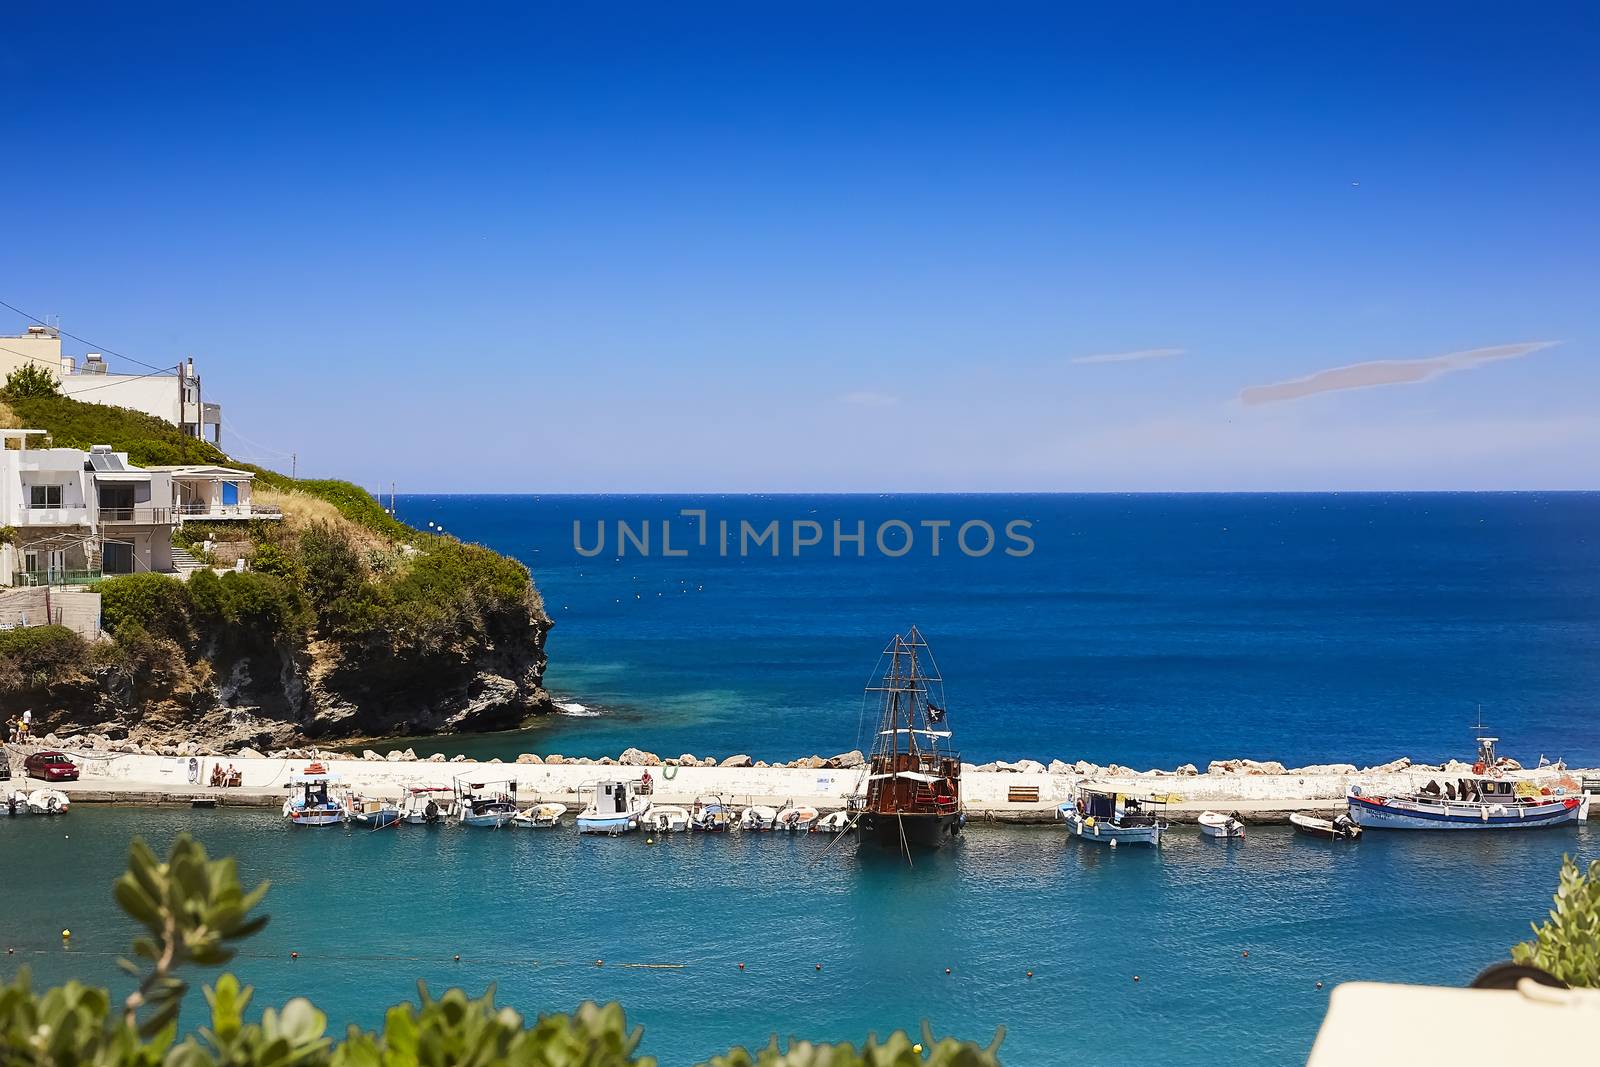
666	819
15	803
541	816
796	819
424	805
372	813
614	808
486	805
1216	824
1105	816
1338	828
834	822
309	803
758	818
48	802
711	815
1495	795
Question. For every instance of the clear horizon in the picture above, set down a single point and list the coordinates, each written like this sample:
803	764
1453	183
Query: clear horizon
824	249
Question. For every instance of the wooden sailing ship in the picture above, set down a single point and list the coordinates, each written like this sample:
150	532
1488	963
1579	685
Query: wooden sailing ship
913	783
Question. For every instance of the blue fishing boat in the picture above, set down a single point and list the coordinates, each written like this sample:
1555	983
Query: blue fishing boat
308	803
1105	816
486	805
1495	795
614	808
370	812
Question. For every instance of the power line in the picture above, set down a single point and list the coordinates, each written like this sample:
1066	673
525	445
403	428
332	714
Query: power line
252	444
81	340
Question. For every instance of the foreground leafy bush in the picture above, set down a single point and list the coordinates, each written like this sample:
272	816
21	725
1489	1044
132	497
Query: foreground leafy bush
159	603
1568	943
193	910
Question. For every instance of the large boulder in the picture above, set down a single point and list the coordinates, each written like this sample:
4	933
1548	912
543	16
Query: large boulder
1059	767
395	756
1263	767
1392	767
1338	768
1086	769
458	758
688	760
437	757
249	753
529	757
638	757
371	756
847	760
815	763
1028	766
740	760
555	758
1187	770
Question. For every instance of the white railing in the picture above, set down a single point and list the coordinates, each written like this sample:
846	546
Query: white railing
54	517
229	511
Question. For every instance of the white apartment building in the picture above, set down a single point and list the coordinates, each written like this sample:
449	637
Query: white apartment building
174	395
76	516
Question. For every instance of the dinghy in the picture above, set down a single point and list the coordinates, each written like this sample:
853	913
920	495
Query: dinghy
796	819
1339	828
666	819
48	802
758	819
1215	824
711	815
541	816
834	823
15	803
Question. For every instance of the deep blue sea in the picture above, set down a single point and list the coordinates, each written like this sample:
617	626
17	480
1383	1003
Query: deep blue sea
1150	630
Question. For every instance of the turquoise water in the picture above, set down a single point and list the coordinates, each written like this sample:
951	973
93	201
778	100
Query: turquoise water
1146	630
530	912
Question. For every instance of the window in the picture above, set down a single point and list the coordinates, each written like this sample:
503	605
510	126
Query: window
117	558
45	496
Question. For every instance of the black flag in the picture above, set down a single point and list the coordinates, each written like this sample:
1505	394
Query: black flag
935	713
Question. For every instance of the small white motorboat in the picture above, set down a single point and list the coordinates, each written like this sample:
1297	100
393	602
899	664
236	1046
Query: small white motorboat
48	802
15	803
711	815
1340	828
796	819
541	816
424	805
1216	824
667	819
758	819
834	823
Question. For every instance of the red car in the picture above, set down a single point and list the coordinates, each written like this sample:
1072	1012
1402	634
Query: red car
51	766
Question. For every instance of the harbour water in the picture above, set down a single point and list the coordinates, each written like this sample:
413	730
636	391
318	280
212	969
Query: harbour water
530	912
1150	630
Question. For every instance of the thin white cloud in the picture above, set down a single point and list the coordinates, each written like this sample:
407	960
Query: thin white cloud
1386	372
1130	357
870	400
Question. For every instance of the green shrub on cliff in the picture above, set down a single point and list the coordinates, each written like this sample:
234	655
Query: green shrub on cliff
263	605
159	603
149	441
34	657
193	910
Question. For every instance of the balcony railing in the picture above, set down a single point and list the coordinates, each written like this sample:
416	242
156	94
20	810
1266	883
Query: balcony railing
140	515
57	577
54	517
229	511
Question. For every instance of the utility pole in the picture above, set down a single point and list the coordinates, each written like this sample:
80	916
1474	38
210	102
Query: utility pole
294	466
391	499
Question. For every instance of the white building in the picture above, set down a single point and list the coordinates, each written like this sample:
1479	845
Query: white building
76	516
173	395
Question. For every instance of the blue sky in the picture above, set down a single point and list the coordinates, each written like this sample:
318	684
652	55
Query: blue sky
831	246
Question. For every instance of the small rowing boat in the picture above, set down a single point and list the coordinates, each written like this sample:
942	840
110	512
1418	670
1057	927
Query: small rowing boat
542	816
1339	828
796	819
1216	824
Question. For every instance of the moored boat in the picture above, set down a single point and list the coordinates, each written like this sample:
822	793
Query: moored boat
666	819
614	808
308	803
1216	824
1494	795
796	819
48	802
711	815
543	815
15	803
834	822
758	819
486	805
1339	828
422	805
913	777
370	812
1105	816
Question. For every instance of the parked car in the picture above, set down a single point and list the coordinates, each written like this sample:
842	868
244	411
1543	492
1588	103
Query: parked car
51	766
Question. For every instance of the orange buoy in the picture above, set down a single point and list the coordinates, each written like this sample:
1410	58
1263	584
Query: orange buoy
1030	974
294	955
1245	953
819	966
741	966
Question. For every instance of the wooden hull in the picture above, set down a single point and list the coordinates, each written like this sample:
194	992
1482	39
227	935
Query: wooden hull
910	830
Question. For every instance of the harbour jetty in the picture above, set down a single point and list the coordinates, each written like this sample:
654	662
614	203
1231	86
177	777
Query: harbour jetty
1025	791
